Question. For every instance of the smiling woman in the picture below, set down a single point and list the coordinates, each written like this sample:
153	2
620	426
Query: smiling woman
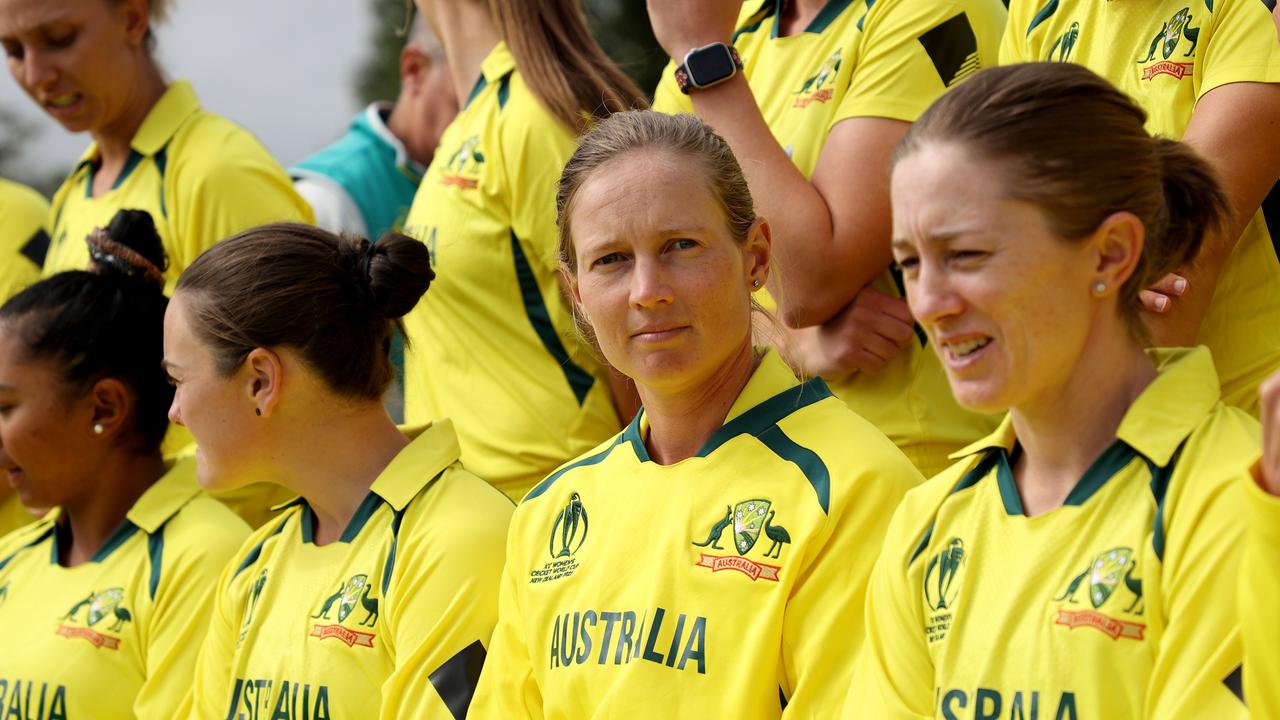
662	249
89	65
1096	531
101	602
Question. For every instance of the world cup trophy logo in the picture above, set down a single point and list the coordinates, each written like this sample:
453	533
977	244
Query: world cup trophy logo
570	529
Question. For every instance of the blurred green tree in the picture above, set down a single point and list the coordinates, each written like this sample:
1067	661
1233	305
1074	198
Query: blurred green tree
621	27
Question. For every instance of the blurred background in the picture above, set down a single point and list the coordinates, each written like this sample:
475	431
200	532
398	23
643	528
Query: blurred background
293	72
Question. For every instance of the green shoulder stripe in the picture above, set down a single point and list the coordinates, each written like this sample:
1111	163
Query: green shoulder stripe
599	457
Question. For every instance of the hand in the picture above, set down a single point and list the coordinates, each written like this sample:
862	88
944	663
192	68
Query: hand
1159	297
1270	465
863	337
682	25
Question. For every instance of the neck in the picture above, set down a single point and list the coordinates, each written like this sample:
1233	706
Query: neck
681	422
114	138
92	519
333	461
407	130
1062	433
468	33
797	14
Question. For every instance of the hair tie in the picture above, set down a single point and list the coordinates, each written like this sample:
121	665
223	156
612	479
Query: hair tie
108	253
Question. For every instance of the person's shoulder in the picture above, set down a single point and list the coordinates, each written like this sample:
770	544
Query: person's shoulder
20	201
211	143
206	526
23	538
846	440
587	463
457	509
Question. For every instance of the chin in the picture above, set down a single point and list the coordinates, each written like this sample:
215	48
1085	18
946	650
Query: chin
979	397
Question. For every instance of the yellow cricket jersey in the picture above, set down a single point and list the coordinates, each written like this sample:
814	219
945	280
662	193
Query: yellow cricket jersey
201	177
870	58
115	637
1259	588
1166	55
493	342
390	621
24	237
1119	604
729	584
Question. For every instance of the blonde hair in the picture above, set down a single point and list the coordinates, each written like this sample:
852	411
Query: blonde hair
561	62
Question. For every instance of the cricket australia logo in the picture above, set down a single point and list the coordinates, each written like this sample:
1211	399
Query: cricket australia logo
348	595
1100	579
1167	42
817	88
942	587
97	607
568	533
464	165
748	519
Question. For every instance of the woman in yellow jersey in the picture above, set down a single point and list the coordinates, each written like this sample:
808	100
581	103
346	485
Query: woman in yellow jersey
826	88
90	65
103	602
1260	572
711	559
1198	69
375	592
24	239
1081	560
495	344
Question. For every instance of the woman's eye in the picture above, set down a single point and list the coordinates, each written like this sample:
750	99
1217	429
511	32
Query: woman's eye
907	263
967	255
683	244
61	40
13	50
609	259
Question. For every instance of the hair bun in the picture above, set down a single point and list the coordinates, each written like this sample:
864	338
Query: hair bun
398	271
129	246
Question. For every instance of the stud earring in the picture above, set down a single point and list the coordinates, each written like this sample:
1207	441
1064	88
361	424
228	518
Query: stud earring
755	284
257	411
98	429
1099	288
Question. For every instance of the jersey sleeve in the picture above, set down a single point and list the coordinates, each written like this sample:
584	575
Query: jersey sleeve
829	599
1242	48
911	52
1259	593
667	97
894	676
507	687
442	603
212	196
182	613
1197	665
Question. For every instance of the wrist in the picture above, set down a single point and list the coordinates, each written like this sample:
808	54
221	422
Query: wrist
706	66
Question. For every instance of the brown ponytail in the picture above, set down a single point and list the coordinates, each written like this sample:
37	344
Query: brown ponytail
561	62
1076	147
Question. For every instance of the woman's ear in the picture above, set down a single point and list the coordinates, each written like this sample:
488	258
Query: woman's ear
111	405
1117	246
263	378
757	253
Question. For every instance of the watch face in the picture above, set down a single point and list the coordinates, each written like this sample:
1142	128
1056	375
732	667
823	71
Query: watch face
709	64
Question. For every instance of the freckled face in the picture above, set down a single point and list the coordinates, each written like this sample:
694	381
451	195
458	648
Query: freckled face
659	275
1005	302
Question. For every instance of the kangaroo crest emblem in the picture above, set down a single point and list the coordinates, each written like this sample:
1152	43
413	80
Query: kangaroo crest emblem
1105	574
749	519
1101	579
97	607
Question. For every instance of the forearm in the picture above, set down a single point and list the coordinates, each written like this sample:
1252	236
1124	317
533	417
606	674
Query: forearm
818	271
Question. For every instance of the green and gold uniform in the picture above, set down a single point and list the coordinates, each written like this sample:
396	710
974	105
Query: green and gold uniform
24	237
493	345
870	58
115	637
1166	55
199	176
1118	604
390	621
729	584
1259	601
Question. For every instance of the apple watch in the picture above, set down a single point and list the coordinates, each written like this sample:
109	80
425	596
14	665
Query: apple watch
707	66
